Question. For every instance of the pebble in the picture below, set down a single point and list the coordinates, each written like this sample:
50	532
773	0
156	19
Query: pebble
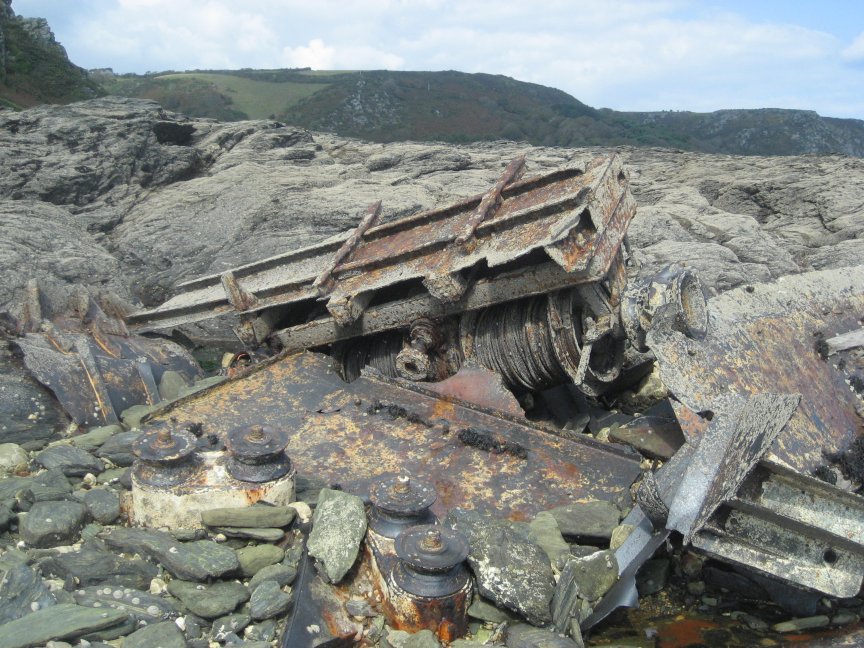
803	623
13	459
171	385
282	574
72	461
525	636
209	601
253	559
103	505
619	535
95	437
49	524
118	449
161	635
338	527
233	623
485	610
268	600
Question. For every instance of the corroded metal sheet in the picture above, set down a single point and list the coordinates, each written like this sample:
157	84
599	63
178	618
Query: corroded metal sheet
353	434
578	215
769	338
96	376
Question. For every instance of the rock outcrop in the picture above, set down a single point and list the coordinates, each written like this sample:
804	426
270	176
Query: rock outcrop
119	194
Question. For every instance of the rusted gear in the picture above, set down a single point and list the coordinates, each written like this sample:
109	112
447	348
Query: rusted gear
257	453
399	503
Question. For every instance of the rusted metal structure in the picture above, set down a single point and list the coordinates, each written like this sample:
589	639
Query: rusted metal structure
526	280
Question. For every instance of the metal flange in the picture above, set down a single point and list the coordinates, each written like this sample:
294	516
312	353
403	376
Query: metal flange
165	457
431	561
399	503
257	453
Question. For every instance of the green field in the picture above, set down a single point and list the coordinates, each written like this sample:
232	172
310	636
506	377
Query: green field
256	99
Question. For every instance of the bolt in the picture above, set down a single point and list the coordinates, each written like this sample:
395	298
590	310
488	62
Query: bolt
432	540
163	438
402	485
256	434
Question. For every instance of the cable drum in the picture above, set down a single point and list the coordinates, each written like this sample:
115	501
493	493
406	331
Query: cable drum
513	339
378	352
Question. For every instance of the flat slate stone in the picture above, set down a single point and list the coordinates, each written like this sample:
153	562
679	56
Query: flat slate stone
91	566
511	570
582	580
197	561
525	636
253	559
268	600
209	601
102	504
118	448
591	520
249	516
282	574
65	621
231	623
545	532
338	527
49	524
22	591
13	459
263	534
74	462
158	635
139	605
95	437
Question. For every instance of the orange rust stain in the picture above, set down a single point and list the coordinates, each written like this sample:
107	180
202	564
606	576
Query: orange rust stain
684	633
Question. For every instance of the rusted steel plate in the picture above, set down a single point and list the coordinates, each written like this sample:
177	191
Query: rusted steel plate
96	377
588	207
769	338
353	434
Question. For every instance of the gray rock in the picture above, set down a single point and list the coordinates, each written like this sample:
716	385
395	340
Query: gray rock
6	516
253	559
796	625
262	631
545	532
102	504
259	516
422	639
22	592
142	607
73	461
485	610
65	621
652	576
511	570
159	635
268	600
13	459
118	448
91	566
282	574
197	561
232	623
264	534
209	601
525	636
132	416
588	521
95	437
582	581
49	524
171	385
338	527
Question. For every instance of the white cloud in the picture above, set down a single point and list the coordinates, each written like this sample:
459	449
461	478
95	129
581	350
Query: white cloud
855	52
627	54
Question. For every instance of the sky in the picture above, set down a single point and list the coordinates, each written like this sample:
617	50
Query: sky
620	54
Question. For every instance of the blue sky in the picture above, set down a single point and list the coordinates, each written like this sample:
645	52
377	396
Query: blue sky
621	54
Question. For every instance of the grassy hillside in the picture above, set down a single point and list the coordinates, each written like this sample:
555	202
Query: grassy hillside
230	96
383	106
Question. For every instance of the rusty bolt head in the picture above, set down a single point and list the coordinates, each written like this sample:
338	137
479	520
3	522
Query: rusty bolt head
164	446
430	549
402	486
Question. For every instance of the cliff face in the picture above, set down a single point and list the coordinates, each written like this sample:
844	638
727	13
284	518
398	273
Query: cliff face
34	67
119	194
